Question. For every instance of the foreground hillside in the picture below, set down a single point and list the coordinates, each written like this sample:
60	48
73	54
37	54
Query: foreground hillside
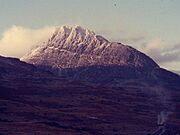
33	101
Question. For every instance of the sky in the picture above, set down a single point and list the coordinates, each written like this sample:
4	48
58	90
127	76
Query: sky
151	26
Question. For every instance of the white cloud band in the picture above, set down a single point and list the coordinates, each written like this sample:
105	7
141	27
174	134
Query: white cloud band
17	40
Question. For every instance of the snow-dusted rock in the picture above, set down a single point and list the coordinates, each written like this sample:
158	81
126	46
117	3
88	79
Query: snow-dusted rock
71	47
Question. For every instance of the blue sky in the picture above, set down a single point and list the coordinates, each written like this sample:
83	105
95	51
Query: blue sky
152	26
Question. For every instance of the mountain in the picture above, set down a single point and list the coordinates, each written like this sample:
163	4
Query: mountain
81	54
79	83
72	47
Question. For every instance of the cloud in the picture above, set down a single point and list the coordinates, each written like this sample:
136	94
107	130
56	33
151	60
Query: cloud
18	40
162	52
165	55
133	40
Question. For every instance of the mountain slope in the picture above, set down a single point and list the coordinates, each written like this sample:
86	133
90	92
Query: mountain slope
37	102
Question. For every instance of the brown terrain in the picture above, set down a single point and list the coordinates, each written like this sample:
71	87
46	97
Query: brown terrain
36	102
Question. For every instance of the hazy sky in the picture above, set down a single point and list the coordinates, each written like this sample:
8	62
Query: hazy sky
152	26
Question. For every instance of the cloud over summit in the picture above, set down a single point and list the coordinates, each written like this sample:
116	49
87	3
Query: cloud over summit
18	40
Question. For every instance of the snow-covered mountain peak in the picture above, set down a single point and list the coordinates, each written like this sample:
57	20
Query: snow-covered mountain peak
73	31
66	36
64	29
71	47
